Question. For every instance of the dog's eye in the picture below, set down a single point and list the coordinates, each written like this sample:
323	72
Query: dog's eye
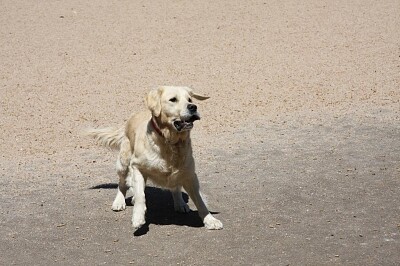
173	100
190	100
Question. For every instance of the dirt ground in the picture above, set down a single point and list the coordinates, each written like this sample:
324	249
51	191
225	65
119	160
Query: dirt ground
298	149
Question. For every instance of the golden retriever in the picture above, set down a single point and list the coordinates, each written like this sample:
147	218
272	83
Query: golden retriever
158	147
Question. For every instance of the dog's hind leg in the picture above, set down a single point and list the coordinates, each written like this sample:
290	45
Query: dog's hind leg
122	170
179	204
139	207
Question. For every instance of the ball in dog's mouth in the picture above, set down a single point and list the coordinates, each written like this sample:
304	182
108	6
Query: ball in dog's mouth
187	124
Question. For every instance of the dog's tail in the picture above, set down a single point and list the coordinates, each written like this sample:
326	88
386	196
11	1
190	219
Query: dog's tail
109	137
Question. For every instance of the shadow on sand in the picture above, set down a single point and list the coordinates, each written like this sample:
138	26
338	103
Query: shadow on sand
160	209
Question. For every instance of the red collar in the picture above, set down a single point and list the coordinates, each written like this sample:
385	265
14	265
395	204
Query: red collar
156	127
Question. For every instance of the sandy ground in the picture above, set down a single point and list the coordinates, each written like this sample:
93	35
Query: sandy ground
298	150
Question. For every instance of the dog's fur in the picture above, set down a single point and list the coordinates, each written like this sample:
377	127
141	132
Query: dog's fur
158	147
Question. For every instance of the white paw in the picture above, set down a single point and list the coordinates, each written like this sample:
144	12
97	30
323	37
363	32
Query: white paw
118	206
212	223
138	222
182	208
119	202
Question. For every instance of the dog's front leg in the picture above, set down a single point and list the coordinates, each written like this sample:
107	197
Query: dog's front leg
139	208
193	189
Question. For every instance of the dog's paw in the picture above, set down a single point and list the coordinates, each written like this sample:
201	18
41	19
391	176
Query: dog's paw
212	223
138	222
182	208
119	202
118	206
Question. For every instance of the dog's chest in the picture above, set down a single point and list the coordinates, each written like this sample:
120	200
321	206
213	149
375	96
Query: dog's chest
165	166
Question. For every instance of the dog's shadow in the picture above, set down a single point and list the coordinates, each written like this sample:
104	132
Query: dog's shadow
160	209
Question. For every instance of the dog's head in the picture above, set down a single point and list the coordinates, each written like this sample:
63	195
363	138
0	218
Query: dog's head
173	107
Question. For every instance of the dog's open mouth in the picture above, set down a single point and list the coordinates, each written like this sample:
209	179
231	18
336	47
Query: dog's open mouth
185	124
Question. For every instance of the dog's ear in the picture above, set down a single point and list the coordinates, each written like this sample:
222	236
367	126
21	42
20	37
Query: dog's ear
196	96
153	101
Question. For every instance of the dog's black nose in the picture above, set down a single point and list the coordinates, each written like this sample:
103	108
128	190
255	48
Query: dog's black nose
192	108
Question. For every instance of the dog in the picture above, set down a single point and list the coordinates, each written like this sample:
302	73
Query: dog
157	146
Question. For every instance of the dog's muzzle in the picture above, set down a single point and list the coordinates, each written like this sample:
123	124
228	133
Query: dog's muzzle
186	124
